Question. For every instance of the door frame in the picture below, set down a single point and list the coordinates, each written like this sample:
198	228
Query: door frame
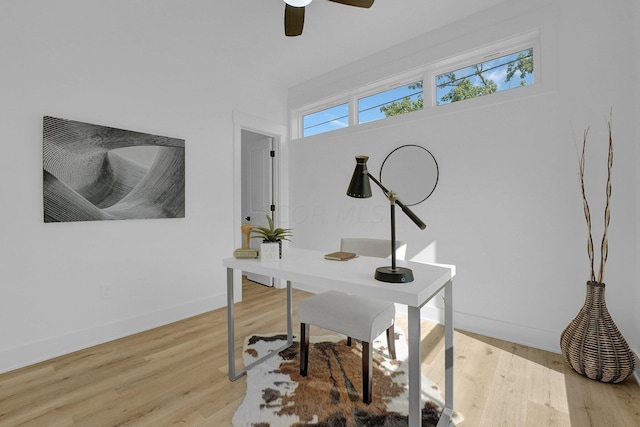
242	120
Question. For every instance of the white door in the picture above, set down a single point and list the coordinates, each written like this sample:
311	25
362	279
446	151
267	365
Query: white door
257	186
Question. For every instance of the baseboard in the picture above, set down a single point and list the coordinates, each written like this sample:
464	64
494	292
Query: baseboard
18	357
519	334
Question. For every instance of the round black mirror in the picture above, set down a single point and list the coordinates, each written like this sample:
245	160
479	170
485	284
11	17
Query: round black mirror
411	172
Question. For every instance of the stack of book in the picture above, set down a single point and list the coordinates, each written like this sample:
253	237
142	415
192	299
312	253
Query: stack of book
340	256
246	253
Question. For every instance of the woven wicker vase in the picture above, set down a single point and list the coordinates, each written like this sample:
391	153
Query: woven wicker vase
592	344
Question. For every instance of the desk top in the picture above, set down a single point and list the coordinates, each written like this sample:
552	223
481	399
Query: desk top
308	270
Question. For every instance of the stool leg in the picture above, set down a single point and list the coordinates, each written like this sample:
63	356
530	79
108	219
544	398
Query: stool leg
391	341
304	349
367	372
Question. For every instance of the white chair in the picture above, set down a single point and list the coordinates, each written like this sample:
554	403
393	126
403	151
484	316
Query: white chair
355	316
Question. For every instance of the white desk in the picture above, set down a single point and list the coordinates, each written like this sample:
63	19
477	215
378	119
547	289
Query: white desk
308	270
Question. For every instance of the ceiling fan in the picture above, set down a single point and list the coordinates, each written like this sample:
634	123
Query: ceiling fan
294	13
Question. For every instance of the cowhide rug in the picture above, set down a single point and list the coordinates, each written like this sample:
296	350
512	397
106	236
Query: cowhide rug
331	394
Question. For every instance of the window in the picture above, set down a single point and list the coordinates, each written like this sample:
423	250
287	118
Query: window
380	105
473	73
495	75
326	120
391	102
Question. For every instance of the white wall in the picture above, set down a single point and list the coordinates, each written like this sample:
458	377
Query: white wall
163	70
507	210
635	341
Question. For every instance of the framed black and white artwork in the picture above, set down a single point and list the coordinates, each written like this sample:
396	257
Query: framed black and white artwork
93	173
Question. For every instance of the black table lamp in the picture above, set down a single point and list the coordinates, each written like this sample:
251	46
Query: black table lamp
361	188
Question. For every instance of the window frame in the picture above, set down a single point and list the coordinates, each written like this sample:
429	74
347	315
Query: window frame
427	73
379	89
297	129
325	108
352	97
507	47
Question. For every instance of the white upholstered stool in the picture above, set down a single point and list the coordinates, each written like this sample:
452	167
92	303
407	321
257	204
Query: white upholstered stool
356	317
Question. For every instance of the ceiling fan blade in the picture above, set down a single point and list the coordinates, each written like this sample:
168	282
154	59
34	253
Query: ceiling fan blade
356	3
293	20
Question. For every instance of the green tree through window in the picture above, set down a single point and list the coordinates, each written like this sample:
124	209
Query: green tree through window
406	104
485	78
473	81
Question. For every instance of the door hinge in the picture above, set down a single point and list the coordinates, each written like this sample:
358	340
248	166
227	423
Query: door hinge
273	208
272	153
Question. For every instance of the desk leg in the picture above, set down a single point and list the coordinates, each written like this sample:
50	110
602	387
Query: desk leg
415	372
231	335
289	314
415	359
447	413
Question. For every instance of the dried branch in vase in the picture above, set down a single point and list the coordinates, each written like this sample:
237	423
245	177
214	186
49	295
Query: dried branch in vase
585	205
604	246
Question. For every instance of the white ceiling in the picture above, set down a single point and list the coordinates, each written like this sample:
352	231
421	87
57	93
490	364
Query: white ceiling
334	34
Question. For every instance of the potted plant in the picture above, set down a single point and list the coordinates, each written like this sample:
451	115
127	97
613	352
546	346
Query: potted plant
271	235
592	344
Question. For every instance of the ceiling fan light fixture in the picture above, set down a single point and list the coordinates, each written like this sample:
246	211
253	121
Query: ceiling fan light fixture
294	11
297	3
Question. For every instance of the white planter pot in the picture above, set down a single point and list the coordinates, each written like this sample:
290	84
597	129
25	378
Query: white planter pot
270	252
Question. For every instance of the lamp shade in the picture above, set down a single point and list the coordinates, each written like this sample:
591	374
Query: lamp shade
360	187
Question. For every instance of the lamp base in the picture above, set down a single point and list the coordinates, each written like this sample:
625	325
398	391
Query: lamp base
394	275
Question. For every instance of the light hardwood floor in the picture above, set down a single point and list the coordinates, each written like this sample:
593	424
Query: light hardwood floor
176	375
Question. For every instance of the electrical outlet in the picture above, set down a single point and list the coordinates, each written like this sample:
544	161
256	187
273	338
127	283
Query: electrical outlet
106	291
